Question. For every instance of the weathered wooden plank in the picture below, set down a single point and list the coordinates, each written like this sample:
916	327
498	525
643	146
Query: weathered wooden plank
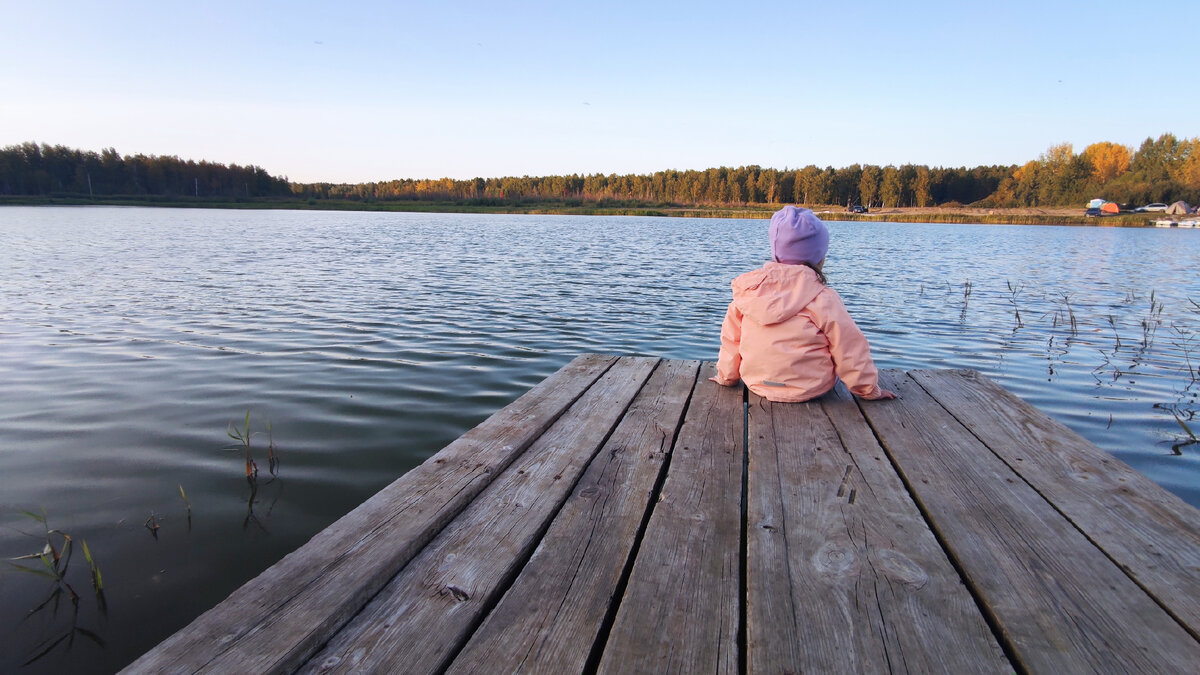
426	613
548	621
680	612
275	621
1150	532
843	573
773	627
1060	604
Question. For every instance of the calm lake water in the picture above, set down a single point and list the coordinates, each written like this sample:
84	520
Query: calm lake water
133	338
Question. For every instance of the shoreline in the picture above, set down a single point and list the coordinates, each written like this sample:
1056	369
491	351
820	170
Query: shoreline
935	214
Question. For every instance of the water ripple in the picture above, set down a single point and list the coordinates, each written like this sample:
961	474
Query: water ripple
134	337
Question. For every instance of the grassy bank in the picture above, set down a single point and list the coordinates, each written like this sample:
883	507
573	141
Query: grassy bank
944	214
1000	217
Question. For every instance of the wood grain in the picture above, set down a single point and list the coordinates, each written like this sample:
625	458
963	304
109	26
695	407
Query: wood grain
550	618
947	531
1060	604
681	609
844	574
426	613
1151	533
278	619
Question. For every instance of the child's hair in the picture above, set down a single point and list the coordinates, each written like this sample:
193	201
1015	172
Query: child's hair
820	274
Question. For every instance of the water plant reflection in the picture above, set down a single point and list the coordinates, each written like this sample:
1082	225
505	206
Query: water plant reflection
53	563
243	435
187	505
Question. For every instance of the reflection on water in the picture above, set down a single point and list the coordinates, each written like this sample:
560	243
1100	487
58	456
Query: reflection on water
134	339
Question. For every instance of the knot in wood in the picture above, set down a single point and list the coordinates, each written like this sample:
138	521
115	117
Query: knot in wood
457	593
329	664
834	559
900	567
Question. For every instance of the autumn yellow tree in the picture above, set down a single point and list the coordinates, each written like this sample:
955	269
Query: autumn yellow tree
1108	160
868	184
1186	171
922	185
891	186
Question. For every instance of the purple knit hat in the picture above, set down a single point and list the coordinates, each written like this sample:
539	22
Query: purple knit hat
798	236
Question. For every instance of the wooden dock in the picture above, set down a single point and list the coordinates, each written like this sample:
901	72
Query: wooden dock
627	515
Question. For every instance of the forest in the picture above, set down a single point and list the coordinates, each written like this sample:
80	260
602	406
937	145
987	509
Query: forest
44	170
1165	169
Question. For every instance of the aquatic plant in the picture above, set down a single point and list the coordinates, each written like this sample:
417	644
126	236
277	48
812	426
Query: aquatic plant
152	525
272	452
1191	438
242	436
1063	322
187	505
1151	322
1186	341
55	560
1070	317
1103	368
94	570
1013	292
966	299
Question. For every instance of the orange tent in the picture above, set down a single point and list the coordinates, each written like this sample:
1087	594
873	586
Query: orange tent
1110	207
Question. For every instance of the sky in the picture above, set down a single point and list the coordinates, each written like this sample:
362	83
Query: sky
372	91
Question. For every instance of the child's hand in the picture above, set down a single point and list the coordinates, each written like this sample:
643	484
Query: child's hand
723	384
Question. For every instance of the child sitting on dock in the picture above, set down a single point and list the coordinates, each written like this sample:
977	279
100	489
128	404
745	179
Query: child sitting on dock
786	334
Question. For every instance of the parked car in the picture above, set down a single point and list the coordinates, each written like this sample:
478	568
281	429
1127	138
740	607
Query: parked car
1151	207
1093	213
859	208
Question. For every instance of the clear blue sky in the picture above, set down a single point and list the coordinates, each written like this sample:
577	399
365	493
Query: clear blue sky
360	91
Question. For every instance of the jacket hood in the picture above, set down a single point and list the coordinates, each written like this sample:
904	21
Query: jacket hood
775	292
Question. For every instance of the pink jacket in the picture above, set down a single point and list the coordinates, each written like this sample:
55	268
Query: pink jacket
788	337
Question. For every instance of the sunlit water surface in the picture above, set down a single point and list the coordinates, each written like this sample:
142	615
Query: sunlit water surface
133	338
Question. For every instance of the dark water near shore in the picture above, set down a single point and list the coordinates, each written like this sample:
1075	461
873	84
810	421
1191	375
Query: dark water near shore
131	338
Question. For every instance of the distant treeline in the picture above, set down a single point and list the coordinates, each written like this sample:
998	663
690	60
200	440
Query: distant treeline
1164	170
45	170
918	185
